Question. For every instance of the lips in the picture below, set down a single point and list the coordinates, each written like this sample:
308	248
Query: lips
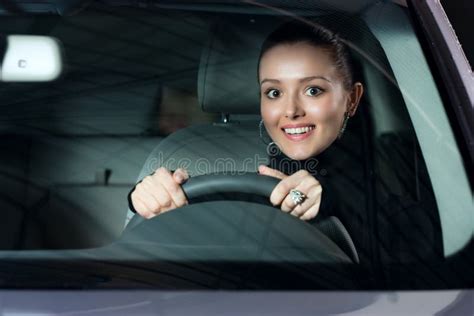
298	132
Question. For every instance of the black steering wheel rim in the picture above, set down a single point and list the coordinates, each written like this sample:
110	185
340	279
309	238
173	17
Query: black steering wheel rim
248	183
222	183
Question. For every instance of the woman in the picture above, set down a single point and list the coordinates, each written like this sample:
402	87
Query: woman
307	95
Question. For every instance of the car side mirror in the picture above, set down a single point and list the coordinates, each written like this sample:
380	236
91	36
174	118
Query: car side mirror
30	58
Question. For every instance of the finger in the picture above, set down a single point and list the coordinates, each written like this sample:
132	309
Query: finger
174	191
180	175
298	210
311	213
146	194
287	207
165	198
154	189
305	187
146	214
295	209
283	188
301	209
141	207
313	210
161	181
267	171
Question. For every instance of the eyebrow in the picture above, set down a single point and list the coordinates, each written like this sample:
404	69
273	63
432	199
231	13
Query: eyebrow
314	77
269	80
301	80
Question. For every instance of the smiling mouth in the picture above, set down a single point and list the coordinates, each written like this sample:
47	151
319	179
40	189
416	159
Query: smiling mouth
298	130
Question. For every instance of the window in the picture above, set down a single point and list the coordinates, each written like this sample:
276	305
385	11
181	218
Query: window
150	84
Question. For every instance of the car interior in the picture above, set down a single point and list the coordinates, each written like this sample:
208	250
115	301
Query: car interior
170	87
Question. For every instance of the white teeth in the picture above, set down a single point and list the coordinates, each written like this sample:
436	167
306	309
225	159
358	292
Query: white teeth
299	130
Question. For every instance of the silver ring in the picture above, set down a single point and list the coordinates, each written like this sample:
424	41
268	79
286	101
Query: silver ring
297	196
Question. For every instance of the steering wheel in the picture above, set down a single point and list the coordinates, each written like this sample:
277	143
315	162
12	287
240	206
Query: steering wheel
331	233
221	183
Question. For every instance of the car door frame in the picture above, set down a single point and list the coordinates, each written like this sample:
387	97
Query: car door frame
452	72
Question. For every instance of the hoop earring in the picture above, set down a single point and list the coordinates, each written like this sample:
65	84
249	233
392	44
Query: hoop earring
344	125
272	147
261	133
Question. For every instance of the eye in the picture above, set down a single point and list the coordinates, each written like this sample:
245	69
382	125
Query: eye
273	93
313	91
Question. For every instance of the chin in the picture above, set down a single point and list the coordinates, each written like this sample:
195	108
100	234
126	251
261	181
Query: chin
302	153
298	154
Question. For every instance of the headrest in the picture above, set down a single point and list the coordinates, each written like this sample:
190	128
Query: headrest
227	80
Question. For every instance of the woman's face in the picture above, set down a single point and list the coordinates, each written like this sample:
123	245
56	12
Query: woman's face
302	98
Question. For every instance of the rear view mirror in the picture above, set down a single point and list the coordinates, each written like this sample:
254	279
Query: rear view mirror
31	58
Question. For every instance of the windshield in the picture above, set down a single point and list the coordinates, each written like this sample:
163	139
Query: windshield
153	86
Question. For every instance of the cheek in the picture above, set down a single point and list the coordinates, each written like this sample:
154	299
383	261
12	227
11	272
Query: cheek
327	109
270	114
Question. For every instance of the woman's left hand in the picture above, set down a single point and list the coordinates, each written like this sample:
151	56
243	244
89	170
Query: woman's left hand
302	181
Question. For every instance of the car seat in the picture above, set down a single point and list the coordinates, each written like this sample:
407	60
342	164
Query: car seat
227	84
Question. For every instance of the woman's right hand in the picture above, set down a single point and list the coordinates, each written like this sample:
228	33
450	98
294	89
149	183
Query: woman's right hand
160	192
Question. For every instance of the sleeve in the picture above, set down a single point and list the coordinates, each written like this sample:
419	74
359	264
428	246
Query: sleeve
326	207
131	209
129	198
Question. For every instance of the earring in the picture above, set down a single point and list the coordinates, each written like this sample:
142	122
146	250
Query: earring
261	132
344	125
272	147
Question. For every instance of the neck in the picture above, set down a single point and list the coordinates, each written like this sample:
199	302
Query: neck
289	166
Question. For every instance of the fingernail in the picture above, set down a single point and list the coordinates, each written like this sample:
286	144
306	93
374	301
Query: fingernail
179	177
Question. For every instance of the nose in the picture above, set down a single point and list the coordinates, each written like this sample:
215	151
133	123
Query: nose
294	108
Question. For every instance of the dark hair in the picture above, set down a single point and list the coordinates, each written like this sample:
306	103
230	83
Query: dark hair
315	34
